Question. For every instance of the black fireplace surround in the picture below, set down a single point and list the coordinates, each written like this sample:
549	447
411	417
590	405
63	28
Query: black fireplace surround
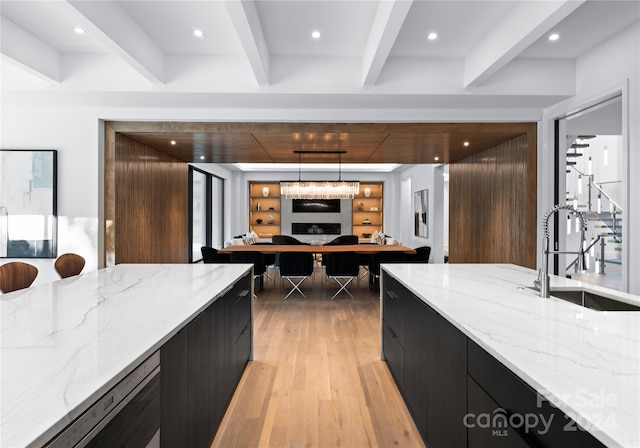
309	228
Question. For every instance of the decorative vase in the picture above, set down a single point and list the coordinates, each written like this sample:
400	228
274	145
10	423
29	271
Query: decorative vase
259	220
265	192
367	192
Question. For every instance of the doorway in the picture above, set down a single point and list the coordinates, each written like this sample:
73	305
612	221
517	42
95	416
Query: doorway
590	176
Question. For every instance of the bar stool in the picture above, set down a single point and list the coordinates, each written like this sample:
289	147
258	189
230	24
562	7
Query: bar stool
16	275
69	264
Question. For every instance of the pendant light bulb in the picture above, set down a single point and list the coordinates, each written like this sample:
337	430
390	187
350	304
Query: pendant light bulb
579	183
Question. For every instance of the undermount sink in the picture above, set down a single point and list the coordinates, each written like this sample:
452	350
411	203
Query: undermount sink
591	300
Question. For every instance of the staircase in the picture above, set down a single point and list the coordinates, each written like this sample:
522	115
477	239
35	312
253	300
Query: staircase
609	226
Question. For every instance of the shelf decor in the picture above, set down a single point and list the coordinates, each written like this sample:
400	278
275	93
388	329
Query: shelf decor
264	208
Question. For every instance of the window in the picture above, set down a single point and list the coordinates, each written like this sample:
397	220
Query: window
206	209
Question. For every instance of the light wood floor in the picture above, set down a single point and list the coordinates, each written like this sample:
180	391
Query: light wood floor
316	379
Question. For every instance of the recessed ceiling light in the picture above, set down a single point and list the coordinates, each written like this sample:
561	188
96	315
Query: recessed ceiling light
78	30
432	36
315	34
173	142
554	36
198	33
466	143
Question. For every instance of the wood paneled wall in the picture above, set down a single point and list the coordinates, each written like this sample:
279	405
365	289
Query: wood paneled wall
150	209
492	204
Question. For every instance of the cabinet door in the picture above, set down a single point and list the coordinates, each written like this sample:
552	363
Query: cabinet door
238	303
240	354
238	332
393	354
392	304
447	385
517	397
219	396
418	321
198	373
486	427
174	389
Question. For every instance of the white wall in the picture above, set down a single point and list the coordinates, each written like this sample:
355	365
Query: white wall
74	134
602	72
423	177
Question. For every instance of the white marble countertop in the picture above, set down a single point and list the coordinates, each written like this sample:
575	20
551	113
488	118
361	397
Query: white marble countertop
66	343
585	362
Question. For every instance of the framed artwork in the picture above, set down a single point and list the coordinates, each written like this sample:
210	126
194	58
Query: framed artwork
421	213
28	203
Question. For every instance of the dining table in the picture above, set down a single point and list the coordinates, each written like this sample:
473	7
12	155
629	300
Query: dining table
318	249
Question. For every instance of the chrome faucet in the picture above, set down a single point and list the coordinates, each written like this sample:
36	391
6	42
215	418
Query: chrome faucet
542	283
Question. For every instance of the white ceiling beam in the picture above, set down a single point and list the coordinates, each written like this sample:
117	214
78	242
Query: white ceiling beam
525	23
110	24
386	26
245	19
29	52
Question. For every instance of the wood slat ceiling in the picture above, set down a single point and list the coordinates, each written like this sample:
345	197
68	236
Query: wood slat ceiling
404	143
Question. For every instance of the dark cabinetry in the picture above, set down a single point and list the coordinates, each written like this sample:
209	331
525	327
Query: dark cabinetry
543	424
201	366
460	395
427	356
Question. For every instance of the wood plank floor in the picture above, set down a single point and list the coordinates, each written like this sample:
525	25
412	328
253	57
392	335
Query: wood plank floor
316	379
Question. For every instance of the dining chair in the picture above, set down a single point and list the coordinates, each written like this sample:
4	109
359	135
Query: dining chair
342	267
16	275
421	256
272	261
340	241
212	255
374	265
69	264
295	267
343	239
285	240
255	257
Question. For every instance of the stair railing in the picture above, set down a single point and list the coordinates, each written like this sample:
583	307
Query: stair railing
616	207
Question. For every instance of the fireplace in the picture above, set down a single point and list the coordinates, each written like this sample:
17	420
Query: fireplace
314	228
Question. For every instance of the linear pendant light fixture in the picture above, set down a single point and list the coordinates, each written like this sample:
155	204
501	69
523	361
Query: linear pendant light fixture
320	189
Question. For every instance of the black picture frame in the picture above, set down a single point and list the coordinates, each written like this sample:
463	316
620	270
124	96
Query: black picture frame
421	213
28	203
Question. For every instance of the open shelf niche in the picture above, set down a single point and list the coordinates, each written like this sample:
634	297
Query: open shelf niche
264	203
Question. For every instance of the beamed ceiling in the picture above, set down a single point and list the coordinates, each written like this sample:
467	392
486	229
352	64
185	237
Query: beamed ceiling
403	143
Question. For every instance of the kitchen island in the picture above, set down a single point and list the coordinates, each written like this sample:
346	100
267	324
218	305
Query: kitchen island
473	345
66	344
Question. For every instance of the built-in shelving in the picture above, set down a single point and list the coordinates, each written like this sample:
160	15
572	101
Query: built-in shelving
368	208
264	205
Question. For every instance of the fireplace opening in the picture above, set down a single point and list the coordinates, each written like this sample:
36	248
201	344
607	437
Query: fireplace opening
308	228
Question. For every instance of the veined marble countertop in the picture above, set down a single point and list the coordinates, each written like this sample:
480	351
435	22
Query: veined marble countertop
585	362
66	343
